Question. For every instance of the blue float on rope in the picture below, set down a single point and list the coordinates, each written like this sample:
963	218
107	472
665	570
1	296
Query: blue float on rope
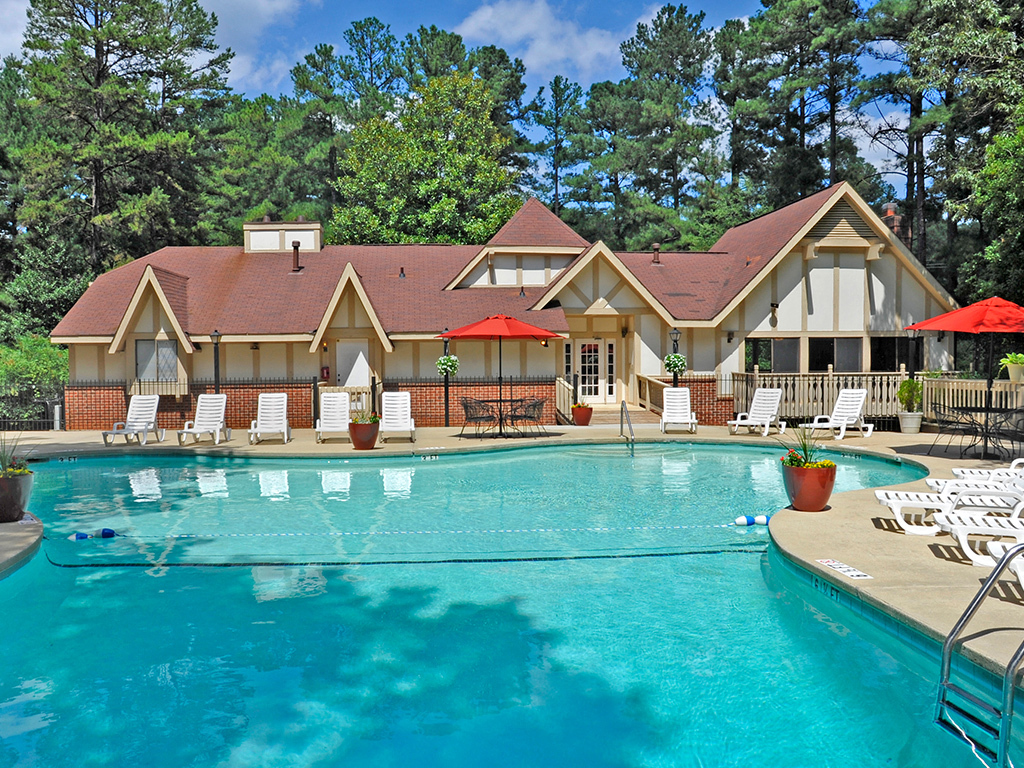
753	520
102	533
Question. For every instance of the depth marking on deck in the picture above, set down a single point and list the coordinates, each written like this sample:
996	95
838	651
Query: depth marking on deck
847	570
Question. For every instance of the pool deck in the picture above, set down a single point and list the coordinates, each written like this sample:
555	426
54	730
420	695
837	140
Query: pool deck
922	581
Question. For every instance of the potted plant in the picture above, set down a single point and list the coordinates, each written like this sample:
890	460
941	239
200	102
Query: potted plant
1013	362
582	413
808	480
675	363
363	428
447	364
15	482
909	395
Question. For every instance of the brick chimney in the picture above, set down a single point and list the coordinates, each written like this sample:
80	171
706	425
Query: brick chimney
900	225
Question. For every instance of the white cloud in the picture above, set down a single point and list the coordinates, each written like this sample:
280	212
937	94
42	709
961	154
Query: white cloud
547	44
11	31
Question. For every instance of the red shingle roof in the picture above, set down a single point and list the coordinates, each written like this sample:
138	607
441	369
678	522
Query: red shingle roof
534	224
697	286
257	293
237	293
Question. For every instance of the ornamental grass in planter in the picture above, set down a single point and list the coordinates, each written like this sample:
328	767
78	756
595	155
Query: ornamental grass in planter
808	480
15	482
363	428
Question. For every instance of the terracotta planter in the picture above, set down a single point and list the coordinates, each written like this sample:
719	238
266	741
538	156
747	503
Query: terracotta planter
808	488
581	416
14	495
363	436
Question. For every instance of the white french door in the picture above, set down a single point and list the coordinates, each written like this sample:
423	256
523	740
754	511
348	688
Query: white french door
596	362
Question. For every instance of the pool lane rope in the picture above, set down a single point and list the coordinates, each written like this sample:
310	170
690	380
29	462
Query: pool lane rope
438	561
107	533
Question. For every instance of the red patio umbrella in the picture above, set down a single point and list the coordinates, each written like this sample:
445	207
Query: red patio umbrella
499	327
989	316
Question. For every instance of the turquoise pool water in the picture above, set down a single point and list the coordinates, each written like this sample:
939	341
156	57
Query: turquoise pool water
499	623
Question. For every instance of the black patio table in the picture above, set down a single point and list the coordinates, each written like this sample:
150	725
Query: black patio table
505	407
981	419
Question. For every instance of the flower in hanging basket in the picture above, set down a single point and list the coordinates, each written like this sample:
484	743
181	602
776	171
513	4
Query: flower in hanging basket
364	417
447	364
675	363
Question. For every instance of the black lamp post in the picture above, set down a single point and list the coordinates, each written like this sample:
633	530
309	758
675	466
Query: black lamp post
447	342
674	334
215	338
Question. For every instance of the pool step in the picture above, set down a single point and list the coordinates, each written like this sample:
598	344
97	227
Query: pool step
970	719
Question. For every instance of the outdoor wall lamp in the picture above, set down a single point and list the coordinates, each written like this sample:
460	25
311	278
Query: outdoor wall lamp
774	320
625	330
324	346
730	336
215	338
254	346
674	334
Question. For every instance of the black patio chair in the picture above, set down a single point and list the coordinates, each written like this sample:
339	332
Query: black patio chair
527	413
481	415
952	423
1007	431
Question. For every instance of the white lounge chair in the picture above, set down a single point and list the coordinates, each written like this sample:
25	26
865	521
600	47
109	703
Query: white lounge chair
209	419
335	409
141	420
1015	469
846	414
396	415
998	549
271	417
963	526
911	508
676	409
764	411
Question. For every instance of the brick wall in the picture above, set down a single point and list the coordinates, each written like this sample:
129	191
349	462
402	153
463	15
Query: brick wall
98	406
705	401
427	398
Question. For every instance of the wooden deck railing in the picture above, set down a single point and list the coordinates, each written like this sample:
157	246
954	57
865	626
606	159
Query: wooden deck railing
968	393
805	395
563	400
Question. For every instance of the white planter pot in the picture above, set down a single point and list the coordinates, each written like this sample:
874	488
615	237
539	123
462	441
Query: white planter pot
910	423
1016	372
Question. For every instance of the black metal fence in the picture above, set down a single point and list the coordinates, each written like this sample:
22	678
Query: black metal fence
31	410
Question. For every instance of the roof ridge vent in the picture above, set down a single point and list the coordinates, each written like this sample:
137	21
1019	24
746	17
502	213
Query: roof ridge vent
656	257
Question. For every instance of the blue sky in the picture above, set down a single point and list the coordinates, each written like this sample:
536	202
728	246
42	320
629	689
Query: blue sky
579	40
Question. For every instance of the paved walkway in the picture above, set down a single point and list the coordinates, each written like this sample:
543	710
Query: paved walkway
922	581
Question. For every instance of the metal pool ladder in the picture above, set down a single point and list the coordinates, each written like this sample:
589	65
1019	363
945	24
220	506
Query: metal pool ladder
986	727
624	421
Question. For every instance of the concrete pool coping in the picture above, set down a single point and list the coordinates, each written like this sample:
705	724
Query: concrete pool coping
922	582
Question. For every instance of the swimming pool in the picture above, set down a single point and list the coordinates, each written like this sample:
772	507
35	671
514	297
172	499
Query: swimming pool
534	608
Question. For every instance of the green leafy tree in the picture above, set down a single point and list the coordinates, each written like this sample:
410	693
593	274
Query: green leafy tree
255	175
125	85
31	364
51	274
433	175
562	121
666	60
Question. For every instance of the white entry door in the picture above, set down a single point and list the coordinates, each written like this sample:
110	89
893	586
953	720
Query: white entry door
596	363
